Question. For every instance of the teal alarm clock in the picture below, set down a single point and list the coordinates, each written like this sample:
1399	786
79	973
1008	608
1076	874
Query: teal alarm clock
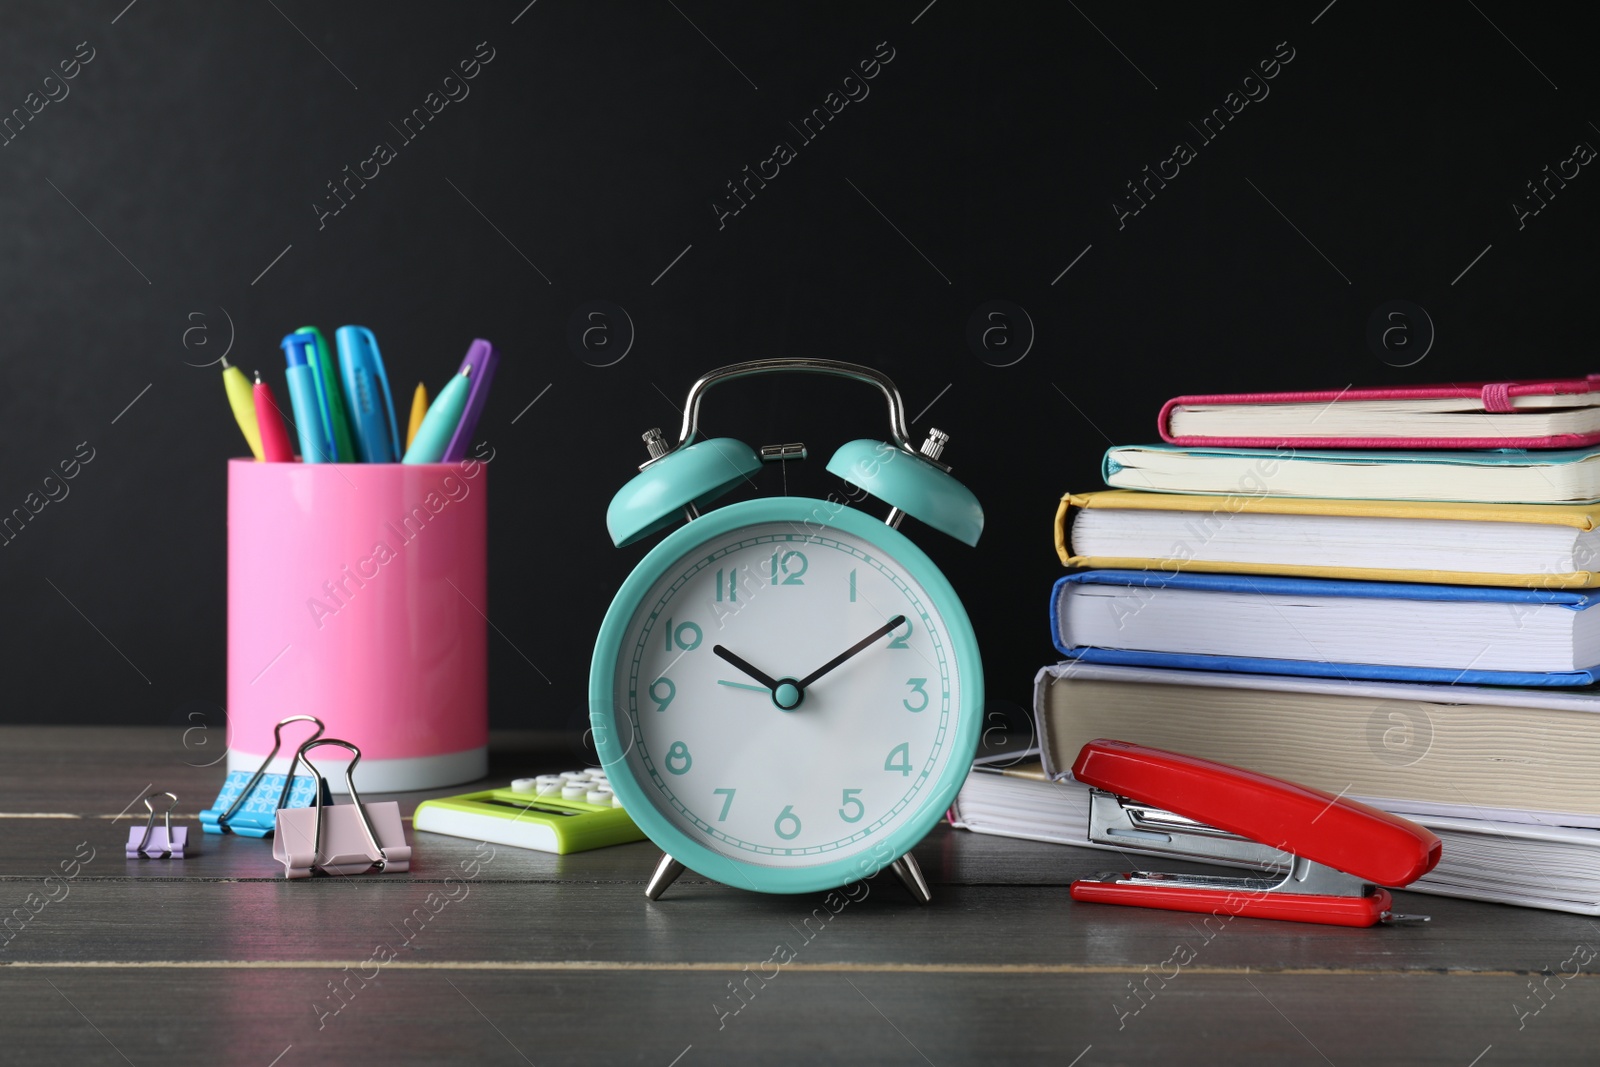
786	692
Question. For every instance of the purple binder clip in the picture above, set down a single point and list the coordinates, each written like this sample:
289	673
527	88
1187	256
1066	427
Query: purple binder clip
158	842
482	358
352	838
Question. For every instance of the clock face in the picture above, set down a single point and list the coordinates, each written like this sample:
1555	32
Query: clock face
794	694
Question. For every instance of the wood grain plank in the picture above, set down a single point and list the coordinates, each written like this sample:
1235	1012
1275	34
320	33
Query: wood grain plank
36	846
344	919
217	959
66	1015
101	770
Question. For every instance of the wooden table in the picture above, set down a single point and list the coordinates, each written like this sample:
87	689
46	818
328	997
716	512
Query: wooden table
547	959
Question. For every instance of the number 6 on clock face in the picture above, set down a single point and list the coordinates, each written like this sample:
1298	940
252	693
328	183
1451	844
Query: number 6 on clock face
787	694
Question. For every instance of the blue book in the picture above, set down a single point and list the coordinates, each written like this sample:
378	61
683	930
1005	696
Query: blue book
1385	631
1501	476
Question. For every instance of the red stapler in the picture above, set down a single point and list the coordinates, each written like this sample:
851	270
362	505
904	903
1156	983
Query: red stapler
1323	858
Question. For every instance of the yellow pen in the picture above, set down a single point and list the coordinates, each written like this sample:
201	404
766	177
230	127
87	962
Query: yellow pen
242	398
419	408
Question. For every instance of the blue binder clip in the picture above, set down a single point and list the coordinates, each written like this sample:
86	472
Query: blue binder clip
248	805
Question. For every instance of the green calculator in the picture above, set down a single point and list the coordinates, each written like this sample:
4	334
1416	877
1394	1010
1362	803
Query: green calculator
560	813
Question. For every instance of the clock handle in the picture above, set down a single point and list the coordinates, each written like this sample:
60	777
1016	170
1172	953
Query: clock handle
800	365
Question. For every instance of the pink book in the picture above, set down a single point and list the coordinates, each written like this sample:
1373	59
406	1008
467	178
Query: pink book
1558	413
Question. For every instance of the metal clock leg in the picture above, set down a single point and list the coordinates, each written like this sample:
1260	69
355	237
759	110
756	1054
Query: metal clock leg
906	869
666	873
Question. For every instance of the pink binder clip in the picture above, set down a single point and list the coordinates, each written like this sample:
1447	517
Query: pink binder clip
352	838
158	842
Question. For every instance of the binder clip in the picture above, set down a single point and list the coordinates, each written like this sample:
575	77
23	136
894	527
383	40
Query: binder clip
158	842
1322	857
248	806
352	838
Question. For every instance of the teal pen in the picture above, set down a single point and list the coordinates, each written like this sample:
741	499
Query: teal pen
314	444
433	436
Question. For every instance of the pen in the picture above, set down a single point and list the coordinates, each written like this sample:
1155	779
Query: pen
441	420
244	405
274	438
366	387
330	398
481	360
299	349
419	408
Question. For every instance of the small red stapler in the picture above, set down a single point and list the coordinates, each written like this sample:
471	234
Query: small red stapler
1322	858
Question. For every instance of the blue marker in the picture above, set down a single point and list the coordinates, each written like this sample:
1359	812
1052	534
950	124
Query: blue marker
314	444
366	390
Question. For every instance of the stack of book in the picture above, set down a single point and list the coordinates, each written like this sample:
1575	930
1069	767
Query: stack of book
1405	621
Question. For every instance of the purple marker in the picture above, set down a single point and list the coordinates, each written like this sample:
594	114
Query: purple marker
482	358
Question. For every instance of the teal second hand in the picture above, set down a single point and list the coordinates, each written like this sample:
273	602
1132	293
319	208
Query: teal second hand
741	685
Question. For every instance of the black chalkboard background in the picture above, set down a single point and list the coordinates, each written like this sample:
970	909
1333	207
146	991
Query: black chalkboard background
165	204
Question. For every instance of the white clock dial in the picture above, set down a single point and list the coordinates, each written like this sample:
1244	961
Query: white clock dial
814	770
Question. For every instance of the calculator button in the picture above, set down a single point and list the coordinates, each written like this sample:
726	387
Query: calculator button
599	796
524	785
574	791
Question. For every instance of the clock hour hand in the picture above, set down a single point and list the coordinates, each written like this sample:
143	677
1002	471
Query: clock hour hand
758	675
859	646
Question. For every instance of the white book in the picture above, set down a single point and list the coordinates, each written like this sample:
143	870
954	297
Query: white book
1483	477
1496	754
1551	867
1442	628
1257	539
1535	416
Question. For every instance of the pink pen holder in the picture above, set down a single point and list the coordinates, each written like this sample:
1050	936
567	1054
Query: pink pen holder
357	593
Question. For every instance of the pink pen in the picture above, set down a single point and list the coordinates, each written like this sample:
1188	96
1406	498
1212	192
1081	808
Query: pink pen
274	438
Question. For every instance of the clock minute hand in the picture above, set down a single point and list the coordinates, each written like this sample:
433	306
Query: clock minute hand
764	679
859	646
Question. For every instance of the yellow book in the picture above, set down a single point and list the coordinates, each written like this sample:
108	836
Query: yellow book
1553	546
